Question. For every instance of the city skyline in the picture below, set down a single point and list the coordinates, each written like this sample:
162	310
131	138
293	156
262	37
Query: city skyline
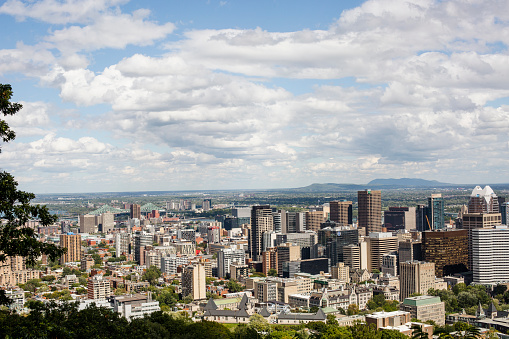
125	95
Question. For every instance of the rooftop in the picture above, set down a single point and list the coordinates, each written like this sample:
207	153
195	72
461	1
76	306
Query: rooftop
422	300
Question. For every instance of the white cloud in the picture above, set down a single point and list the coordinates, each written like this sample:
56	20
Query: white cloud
59	12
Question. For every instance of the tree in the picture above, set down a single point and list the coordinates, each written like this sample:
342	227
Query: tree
233	286
418	333
15	238
272	272
352	309
152	274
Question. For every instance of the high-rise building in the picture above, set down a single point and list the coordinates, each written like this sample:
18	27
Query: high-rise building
122	244
447	249
490	253
207	204
416	277
107	222
269	260
380	244
285	253
98	287
295	222
483	200
226	257
88	223
261	222
135	211
279	221
141	241
193	282
504	212
356	256
473	221
314	219
370	210
421	223
410	251
341	212
334	239
72	242
435	216
400	218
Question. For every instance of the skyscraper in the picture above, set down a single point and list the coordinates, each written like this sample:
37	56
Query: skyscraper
135	211
380	244
483	201
193	282
261	222
72	242
341	212
490	250
435	216
447	249
370	210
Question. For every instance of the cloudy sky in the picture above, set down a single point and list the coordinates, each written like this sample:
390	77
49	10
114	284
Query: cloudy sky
123	95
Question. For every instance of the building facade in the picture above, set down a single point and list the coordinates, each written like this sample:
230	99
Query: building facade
370	210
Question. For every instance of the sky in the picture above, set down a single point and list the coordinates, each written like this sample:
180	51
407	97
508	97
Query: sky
123	95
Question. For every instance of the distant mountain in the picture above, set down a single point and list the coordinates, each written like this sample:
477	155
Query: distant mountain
407	182
329	187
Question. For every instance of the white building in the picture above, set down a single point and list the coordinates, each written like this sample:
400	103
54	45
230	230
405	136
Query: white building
227	257
490	250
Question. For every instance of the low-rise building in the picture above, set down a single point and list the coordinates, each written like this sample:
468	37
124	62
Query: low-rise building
425	308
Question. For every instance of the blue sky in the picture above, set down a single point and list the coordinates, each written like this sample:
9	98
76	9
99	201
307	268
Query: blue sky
125	95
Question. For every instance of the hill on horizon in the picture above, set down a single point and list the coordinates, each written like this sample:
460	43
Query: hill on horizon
407	182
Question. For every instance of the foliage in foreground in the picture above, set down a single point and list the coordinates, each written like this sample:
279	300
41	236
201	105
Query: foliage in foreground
66	321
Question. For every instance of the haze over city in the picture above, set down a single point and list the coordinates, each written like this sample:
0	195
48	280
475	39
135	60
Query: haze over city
131	95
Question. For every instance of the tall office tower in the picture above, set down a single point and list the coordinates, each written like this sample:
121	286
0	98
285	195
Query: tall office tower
295	222
356	256
72	242
380	244
435	216
313	220
335	239
141	241
227	257
447	249
421	211
473	221
207	204
400	218
410	251
370	210
193	282
285	253
279	220
416	277
87	223
261	222
504	212
135	211
122	244
98	287
107	222
341	212
483	201
490	250
269	260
